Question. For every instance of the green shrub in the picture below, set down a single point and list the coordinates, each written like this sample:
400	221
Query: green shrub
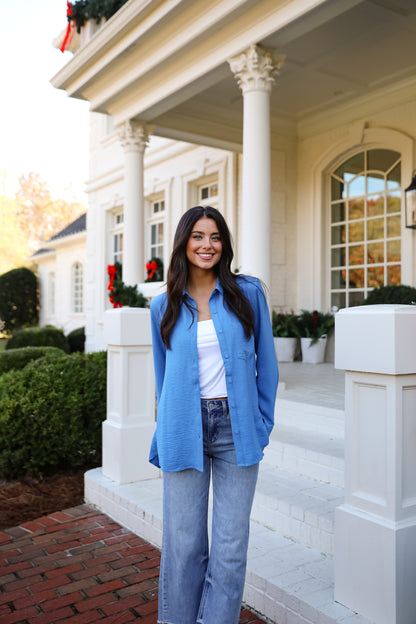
76	340
51	413
18	298
39	337
15	359
391	294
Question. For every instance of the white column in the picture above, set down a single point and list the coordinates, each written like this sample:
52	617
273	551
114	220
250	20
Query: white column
128	430
133	138
375	528
254	71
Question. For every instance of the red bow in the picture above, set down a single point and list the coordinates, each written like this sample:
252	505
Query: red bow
69	28
151	268
111	270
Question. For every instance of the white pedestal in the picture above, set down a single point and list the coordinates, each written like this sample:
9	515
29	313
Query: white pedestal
130	423
375	530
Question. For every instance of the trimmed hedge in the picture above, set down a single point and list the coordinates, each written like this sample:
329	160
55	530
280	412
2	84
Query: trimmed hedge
76	340
39	337
391	294
18	298
51	414
16	359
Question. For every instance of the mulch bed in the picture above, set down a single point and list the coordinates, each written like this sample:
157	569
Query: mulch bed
29	498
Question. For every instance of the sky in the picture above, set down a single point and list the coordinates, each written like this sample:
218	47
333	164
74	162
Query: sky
41	128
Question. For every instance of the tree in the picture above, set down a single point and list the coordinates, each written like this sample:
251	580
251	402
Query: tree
14	248
38	215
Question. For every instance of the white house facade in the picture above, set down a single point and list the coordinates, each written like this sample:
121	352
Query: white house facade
61	269
295	118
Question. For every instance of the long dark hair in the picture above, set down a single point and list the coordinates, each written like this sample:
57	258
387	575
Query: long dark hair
178	273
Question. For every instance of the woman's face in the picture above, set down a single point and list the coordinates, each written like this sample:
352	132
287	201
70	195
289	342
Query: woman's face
204	247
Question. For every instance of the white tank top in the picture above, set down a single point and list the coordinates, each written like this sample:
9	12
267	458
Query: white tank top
210	363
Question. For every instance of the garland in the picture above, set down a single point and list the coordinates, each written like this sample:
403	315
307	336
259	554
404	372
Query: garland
154	270
81	11
120	293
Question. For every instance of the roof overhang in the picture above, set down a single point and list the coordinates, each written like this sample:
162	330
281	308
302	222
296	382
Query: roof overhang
165	62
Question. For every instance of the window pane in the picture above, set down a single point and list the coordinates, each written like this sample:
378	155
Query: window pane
153	234
338	300
205	192
394	276
375	253
337	189
214	190
394	177
394	202
356	254
337	279
337	212
160	237
381	159
357	186
356	232
351	167
338	234
338	256
375	183
355	299
393	226
375	206
356	278
394	251
375	229
375	277
356	209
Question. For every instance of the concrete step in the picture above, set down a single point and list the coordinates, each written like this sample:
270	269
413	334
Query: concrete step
309	417
286	581
297	507
315	454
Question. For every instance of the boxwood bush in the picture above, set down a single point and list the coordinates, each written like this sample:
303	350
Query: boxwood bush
15	359
39	337
51	413
391	294
76	340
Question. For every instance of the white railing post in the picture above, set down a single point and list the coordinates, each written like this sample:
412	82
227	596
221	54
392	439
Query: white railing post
130	423
375	528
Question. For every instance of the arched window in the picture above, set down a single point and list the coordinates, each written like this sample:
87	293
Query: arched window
365	224
77	288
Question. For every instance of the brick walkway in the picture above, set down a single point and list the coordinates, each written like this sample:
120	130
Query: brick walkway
77	567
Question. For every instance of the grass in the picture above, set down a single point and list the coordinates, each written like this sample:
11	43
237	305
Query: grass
3	342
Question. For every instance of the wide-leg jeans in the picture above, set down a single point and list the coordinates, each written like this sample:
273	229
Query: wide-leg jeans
198	584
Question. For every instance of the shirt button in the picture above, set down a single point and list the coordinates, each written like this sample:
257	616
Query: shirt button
237	431
230	380
226	355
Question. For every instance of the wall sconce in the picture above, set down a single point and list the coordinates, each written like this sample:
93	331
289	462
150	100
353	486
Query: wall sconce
410	203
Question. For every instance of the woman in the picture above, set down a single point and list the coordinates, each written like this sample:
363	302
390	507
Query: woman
216	382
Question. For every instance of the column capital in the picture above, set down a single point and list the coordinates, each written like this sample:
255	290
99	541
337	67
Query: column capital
133	134
256	68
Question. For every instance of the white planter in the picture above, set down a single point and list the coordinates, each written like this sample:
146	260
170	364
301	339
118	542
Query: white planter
313	354
285	349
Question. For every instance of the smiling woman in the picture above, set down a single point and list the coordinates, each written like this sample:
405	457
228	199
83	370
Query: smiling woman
216	380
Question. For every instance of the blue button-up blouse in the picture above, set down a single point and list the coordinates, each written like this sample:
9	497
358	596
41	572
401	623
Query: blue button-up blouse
251	377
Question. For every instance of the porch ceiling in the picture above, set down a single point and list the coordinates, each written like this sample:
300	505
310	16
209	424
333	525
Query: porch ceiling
335	52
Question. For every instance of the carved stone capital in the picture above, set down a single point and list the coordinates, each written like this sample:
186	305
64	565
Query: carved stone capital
255	69
133	134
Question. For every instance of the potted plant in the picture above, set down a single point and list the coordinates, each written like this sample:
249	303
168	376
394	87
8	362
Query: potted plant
286	334
315	328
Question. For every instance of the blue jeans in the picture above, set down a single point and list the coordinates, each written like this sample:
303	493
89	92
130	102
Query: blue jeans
198	585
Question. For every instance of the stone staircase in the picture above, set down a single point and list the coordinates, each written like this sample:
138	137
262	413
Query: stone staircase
290	577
